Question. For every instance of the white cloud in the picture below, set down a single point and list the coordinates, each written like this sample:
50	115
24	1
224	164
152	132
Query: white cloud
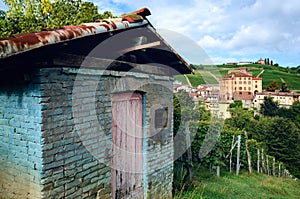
227	27
209	42
222	60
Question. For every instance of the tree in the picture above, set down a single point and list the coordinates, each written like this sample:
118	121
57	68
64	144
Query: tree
282	142
236	103
272	86
269	107
284	87
25	16
2	14
295	113
240	119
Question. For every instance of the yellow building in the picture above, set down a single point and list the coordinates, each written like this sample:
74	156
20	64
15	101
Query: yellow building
240	85
284	99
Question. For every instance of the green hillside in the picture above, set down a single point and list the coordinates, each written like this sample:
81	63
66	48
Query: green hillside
244	186
293	80
269	73
200	77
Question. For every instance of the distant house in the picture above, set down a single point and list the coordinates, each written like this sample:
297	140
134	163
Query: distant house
86	111
244	63
231	63
261	61
284	99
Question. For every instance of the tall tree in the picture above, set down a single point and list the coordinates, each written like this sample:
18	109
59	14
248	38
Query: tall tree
269	107
284	87
283	143
272	86
240	119
295	113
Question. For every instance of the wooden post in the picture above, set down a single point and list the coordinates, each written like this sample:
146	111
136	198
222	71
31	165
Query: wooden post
218	166
263	161
230	159
248	154
238	155
258	160
179	170
268	169
218	170
274	172
189	151
279	170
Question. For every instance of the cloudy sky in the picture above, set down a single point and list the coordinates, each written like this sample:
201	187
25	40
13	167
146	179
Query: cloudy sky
223	30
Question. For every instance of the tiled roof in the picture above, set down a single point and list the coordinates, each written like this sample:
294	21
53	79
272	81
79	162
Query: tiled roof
243	75
278	93
91	32
25	42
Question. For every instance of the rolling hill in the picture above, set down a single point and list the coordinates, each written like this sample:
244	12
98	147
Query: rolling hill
210	74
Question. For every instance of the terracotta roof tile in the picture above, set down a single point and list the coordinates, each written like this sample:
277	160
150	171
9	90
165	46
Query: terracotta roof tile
25	42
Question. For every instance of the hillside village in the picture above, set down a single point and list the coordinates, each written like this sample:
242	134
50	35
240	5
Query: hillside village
238	85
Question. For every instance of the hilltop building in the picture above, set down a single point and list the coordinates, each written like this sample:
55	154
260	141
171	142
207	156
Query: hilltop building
240	85
261	61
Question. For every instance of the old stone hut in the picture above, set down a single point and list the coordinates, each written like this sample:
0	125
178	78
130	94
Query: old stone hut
86	111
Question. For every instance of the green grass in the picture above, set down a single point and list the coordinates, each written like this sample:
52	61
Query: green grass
200	77
223	72
292	80
255	71
196	79
244	186
239	66
181	79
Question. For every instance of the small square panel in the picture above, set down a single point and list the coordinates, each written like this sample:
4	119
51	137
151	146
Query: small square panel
161	117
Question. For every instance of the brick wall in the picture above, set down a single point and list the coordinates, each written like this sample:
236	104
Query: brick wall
20	139
74	143
70	118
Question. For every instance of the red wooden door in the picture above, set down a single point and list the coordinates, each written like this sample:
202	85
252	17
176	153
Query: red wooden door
127	133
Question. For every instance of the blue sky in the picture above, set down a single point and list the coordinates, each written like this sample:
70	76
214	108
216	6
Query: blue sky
223	30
